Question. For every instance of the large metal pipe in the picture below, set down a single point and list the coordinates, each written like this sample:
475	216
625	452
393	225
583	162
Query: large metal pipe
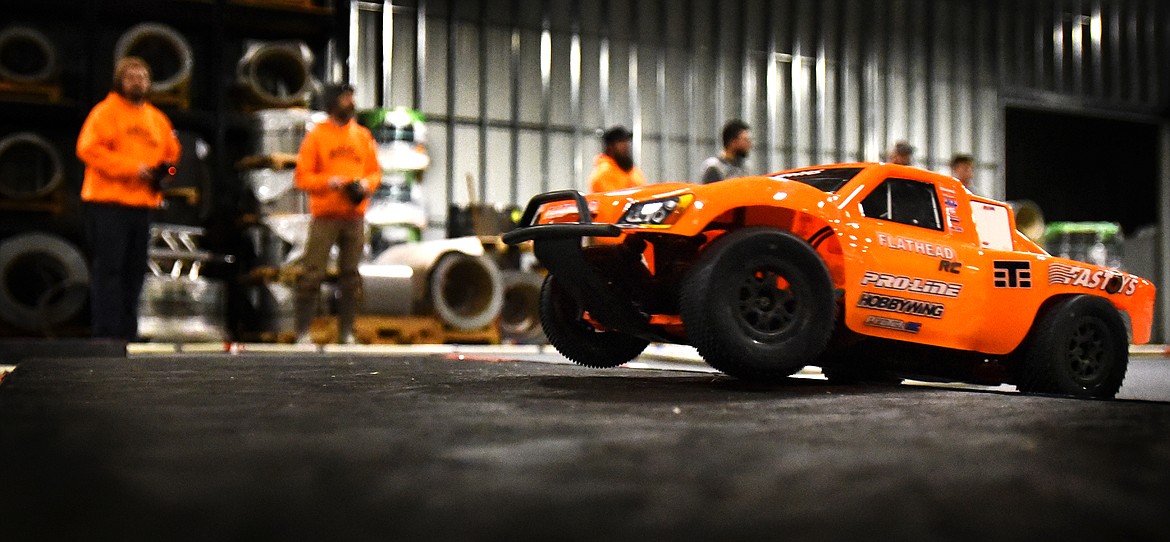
26	55
451	279
277	74
43	281
30	166
163	48
520	314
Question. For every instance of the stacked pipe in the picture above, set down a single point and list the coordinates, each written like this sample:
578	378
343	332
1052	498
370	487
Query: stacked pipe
169	56
27	56
276	75
43	282
278	235
30	166
453	280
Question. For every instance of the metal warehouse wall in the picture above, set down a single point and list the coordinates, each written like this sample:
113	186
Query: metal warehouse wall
514	90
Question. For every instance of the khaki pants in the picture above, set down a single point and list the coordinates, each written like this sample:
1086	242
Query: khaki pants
350	237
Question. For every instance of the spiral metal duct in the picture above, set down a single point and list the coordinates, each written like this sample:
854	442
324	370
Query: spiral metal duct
451	279
277	74
520	314
26	55
43	280
30	167
163	48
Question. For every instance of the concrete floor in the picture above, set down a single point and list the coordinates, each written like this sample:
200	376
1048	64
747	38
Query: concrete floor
343	446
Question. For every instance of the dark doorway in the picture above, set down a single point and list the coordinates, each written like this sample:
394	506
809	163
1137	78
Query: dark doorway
1083	169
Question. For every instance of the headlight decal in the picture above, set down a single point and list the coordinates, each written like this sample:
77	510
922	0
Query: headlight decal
657	212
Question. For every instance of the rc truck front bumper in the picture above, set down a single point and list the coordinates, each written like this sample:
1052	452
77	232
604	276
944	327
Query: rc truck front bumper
559	248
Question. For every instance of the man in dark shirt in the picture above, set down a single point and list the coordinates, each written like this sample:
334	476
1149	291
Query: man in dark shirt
737	143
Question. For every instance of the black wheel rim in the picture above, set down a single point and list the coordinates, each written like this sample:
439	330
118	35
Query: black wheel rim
1087	353
766	304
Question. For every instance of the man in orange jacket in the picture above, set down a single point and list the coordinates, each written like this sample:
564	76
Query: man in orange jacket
122	143
614	168
338	167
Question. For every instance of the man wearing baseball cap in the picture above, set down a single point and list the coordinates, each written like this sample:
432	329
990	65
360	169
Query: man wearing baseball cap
338	167
614	168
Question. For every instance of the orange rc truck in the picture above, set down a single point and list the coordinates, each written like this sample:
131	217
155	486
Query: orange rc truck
870	271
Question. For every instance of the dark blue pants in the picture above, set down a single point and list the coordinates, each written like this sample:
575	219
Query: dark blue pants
118	237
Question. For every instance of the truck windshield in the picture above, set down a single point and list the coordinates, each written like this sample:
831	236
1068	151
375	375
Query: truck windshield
825	180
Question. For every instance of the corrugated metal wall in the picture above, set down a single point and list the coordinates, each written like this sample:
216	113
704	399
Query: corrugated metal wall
515	90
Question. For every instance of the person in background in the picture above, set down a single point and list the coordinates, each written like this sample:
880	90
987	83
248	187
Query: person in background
901	153
124	142
614	168
737	143
337	166
963	169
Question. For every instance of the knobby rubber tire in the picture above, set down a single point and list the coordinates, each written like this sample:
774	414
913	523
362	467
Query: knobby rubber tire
1077	347
576	339
758	304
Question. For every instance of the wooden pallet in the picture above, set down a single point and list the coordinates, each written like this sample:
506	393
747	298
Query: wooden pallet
178	98
276	160
375	329
52	203
264	274
30	92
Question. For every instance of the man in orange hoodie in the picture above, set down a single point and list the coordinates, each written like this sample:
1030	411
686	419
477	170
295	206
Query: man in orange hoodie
338	167
614	168
123	140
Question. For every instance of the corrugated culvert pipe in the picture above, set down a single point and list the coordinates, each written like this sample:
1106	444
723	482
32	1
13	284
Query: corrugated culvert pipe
43	281
164	49
26	55
277	74
30	166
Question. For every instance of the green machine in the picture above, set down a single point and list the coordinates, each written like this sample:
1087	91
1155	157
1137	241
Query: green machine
397	212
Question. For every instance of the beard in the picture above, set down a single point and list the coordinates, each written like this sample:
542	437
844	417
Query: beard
134	94
343	114
624	161
740	154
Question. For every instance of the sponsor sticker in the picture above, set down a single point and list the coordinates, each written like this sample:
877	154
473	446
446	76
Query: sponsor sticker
1094	279
918	247
1013	274
889	303
893	323
916	285
949	266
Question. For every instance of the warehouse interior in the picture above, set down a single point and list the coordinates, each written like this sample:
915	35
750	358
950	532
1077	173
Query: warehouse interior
479	105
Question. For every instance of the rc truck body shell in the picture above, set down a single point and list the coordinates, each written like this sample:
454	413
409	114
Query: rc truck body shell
912	255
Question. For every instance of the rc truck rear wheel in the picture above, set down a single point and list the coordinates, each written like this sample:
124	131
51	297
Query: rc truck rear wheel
1078	347
758	305
576	339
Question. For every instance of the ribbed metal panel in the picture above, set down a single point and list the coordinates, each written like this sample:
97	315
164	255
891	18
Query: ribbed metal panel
530	82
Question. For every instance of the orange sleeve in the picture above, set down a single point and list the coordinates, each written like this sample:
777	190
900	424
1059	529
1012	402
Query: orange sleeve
601	180
95	147
308	174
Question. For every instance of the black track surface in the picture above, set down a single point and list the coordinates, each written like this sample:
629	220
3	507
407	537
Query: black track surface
431	448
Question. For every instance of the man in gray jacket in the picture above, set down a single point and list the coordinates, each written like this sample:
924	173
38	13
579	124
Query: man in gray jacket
737	143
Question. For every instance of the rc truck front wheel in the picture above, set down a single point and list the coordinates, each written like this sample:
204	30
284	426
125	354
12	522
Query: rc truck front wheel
565	326
1078	347
758	304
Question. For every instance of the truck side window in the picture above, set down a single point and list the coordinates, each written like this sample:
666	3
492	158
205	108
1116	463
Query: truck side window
904	201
